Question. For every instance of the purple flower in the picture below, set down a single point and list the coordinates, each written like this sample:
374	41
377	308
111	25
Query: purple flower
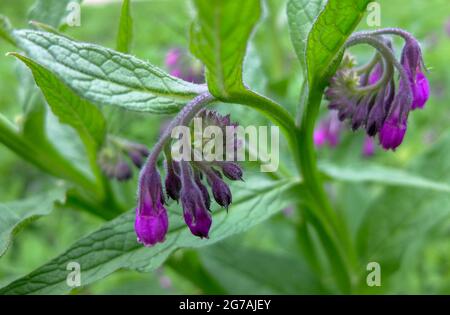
421	91
376	74
232	171
196	214
151	216
173	181
220	190
173	57
413	65
368	146
122	171
187	182
328	131
370	97
392	132
112	158
179	65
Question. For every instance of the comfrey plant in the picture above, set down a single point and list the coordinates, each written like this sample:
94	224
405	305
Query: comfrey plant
367	97
185	200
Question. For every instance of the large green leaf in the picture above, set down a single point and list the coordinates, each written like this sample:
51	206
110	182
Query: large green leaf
51	12
219	39
104	76
125	33
301	17
402	217
69	107
16	214
114	245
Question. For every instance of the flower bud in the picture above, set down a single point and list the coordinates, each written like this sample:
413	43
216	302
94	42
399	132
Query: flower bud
232	171
173	182
196	215
122	171
151	216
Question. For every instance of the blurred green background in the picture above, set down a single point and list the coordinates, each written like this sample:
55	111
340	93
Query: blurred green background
241	264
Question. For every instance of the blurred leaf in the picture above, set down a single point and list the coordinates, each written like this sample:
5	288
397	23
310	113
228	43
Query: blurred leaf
402	217
114	245
219	39
125	35
15	215
382	175
68	107
104	76
244	270
6	30
51	12
302	15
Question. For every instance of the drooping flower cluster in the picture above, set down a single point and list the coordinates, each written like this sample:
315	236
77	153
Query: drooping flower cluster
113	157
180	66
370	97
186	181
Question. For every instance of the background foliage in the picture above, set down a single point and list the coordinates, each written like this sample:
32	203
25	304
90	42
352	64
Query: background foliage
396	205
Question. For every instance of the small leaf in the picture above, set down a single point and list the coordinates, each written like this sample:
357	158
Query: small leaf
16	214
114	245
51	12
104	76
69	107
125	34
219	39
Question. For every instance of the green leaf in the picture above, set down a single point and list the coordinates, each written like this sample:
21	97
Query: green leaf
219	39
319	37
327	37
402	217
369	172
243	270
114	245
104	76
302	15
125	34
69	107
15	215
51	12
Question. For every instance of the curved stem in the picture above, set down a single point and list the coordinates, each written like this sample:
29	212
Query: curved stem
185	115
387	31
388	71
362	38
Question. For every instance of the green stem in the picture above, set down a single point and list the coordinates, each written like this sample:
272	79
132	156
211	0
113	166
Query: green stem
327	222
